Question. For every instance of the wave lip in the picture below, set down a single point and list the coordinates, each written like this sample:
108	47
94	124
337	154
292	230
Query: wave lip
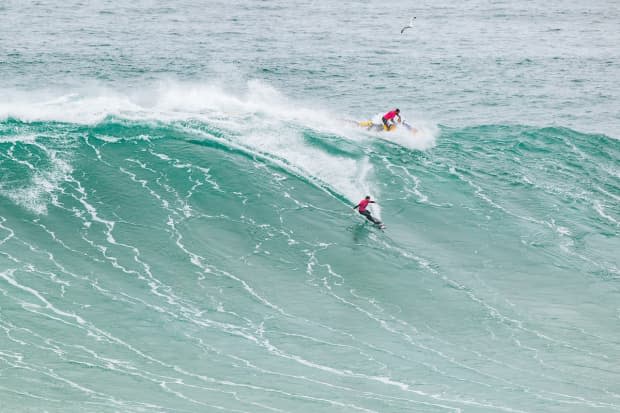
260	119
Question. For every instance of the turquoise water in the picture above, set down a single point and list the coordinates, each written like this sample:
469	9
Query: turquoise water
175	224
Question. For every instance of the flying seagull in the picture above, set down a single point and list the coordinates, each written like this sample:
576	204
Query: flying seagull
410	25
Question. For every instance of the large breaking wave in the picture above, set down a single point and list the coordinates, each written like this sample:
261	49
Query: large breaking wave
191	248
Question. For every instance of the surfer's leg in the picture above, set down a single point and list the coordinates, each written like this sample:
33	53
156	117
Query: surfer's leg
369	217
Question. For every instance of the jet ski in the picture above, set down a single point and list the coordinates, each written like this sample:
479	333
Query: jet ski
380	127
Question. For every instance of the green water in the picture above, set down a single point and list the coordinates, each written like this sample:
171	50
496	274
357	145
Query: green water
176	231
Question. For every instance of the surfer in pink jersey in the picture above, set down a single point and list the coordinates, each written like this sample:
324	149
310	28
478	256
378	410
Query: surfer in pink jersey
361	207
390	116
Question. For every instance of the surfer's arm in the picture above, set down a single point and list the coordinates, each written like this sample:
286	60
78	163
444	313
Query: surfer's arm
356	206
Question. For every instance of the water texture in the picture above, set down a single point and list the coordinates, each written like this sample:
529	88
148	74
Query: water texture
176	184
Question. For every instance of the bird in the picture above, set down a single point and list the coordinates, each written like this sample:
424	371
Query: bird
410	25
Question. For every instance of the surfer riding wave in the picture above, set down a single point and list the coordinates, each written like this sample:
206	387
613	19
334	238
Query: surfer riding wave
361	207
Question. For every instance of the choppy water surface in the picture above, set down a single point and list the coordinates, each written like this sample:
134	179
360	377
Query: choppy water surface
175	192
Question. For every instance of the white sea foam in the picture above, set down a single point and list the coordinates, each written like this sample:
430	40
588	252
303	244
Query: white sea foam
261	117
161	101
43	184
82	107
171	100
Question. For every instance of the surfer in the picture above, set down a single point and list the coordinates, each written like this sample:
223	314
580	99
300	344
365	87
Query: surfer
390	117
361	207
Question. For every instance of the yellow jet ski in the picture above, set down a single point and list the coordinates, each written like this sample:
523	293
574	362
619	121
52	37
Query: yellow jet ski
380	127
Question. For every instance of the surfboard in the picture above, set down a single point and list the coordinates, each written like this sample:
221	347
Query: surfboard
380	225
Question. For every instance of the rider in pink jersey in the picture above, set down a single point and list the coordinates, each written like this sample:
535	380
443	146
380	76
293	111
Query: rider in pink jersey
390	116
361	207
